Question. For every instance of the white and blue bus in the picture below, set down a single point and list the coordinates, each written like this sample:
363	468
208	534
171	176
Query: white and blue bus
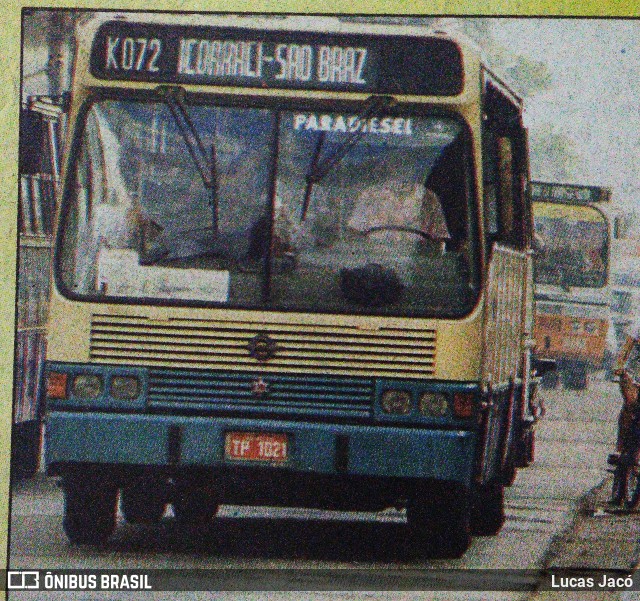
292	267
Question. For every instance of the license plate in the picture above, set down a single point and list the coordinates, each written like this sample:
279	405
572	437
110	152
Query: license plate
253	446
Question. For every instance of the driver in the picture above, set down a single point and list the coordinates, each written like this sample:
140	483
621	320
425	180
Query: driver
432	219
398	204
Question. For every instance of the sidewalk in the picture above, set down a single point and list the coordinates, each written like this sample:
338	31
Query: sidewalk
600	539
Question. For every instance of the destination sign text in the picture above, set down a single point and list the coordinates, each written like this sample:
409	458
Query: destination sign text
276	59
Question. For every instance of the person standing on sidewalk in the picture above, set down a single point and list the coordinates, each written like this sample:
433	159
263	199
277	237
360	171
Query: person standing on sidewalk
627	367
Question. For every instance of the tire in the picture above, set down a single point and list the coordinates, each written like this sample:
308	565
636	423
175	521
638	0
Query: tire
89	510
440	522
531	447
194	507
527	449
487	509
626	484
575	377
509	473
142	506
619	488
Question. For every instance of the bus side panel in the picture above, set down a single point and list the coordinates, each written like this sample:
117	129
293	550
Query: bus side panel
33	294
504	339
505	306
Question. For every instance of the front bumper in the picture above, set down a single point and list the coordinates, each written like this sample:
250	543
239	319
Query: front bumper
164	441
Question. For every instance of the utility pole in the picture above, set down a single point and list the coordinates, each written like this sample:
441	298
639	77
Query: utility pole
60	25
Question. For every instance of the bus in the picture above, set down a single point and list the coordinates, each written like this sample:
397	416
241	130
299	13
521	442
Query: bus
573	300
41	122
293	267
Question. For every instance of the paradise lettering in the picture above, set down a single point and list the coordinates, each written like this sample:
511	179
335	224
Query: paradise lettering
339	123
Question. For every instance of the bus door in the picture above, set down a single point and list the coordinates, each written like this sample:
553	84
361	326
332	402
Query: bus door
40	121
507	225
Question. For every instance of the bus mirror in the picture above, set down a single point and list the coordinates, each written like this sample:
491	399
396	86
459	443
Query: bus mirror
620	228
543	366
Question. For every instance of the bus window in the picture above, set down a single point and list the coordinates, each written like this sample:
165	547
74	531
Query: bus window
399	198
574	244
147	205
490	181
504	183
505	167
382	217
505	174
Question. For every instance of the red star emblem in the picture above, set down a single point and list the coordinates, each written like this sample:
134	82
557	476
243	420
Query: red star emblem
259	387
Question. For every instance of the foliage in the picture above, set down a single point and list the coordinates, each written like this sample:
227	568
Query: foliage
554	156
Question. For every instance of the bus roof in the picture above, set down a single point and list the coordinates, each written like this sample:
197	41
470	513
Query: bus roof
553	210
325	24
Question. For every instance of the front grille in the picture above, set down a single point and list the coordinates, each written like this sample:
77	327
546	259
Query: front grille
285	394
401	351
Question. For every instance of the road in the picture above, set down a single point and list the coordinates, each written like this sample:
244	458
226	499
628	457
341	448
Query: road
573	440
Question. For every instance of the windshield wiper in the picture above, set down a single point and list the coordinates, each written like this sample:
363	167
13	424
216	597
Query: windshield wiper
205	163
318	169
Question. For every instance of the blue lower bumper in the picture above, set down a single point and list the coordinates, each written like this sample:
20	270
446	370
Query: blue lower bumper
150	440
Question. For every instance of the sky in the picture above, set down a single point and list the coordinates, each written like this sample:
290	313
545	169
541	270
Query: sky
595	95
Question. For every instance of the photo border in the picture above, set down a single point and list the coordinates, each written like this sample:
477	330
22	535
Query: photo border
10	63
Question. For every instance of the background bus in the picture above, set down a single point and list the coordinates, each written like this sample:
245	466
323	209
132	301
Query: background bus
39	126
272	283
573	302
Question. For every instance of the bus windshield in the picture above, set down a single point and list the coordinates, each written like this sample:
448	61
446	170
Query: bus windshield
573	244
384	230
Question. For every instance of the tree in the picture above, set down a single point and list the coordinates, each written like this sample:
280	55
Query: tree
554	156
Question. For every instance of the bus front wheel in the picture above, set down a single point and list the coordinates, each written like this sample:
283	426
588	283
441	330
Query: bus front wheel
440	522
487	509
89	510
194	506
142	506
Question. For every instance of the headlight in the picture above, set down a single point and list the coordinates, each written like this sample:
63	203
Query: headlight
434	404
125	388
396	401
87	386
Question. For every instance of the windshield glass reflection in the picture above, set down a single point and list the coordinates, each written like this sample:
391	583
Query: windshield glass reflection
382	229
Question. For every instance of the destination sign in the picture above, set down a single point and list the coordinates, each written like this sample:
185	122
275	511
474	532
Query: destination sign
276	59
569	193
